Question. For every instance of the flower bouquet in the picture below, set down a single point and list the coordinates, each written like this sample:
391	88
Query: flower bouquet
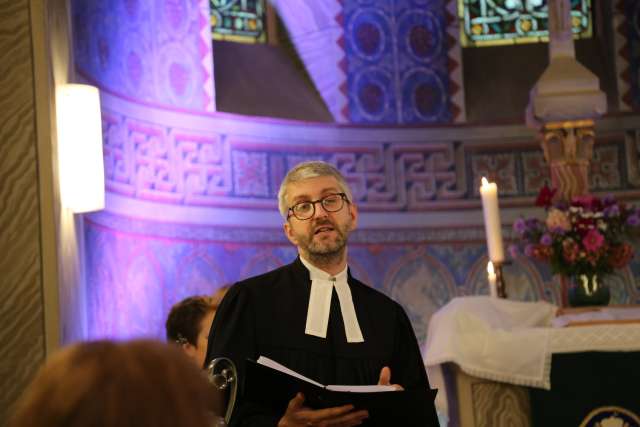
583	240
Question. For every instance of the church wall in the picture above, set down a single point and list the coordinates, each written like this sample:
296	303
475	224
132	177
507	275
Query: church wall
191	207
191	201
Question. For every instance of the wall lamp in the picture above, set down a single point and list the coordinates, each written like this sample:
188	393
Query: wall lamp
80	161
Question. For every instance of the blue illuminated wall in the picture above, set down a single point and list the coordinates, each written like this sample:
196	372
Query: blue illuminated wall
397	54
381	61
152	51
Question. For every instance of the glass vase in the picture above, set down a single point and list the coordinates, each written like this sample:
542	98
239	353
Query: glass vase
588	290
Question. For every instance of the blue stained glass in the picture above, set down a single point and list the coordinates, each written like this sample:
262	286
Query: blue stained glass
496	22
238	20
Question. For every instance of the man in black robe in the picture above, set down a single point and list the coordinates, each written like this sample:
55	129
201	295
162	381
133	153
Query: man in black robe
311	315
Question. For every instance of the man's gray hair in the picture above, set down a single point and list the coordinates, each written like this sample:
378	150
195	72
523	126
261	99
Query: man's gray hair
306	170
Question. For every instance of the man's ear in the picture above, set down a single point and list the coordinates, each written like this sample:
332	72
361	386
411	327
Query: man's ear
289	233
353	211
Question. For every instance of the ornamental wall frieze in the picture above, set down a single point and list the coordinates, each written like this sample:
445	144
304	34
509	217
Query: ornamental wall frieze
230	168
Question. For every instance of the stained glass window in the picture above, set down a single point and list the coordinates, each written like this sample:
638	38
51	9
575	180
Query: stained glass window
496	22
238	20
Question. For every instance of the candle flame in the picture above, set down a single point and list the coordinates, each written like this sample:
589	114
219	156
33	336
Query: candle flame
484	181
490	269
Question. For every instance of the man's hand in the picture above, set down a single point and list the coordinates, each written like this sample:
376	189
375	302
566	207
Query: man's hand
385	378
298	415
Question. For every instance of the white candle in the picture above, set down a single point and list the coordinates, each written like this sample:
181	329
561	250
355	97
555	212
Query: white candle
493	289
492	227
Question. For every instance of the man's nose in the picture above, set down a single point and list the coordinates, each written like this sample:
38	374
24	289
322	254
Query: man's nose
320	211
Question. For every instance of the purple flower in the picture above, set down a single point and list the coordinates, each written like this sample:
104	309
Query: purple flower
611	211
546	239
519	226
513	251
609	200
533	224
633	220
528	250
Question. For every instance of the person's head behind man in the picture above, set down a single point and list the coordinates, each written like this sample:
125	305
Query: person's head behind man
188	325
317	205
117	384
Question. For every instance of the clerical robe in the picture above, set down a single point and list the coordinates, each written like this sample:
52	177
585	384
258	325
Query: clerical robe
266	316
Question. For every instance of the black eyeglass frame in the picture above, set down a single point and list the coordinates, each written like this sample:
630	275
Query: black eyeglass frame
291	212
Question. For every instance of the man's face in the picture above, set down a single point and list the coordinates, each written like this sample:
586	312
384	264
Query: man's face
325	233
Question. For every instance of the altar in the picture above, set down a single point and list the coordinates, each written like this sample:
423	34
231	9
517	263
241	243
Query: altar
498	362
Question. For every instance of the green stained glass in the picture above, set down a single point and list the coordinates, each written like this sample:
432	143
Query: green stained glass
238	20
497	22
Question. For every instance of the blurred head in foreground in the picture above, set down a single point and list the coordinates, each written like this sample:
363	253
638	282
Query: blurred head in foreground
109	384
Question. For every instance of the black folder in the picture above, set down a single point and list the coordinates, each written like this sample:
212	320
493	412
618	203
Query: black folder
268	386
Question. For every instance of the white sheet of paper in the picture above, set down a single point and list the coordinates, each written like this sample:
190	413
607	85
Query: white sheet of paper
265	361
278	367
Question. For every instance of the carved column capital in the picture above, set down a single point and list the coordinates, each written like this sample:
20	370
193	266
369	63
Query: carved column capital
568	149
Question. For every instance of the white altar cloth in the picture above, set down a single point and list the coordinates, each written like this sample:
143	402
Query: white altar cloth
492	338
512	341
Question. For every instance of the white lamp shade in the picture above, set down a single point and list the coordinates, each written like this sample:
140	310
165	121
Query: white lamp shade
81	165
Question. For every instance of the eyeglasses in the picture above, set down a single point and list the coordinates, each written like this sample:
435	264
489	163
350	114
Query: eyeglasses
330	203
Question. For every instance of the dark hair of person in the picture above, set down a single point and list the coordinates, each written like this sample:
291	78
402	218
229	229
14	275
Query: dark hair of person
110	384
184	319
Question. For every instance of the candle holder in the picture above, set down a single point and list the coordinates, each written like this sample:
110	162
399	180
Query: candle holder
501	288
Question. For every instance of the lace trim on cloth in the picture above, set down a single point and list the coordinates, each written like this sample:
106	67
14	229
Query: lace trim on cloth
595	338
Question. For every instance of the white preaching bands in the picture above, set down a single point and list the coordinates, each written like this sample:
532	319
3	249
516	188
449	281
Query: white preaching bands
322	285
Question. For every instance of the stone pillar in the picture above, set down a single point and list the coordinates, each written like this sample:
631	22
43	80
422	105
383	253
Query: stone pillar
563	106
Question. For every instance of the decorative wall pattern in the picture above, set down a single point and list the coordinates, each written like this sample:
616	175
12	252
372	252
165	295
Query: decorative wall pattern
626	16
159	162
397	61
157	52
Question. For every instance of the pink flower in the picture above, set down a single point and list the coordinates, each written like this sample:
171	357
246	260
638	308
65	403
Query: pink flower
558	220
593	240
587	202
